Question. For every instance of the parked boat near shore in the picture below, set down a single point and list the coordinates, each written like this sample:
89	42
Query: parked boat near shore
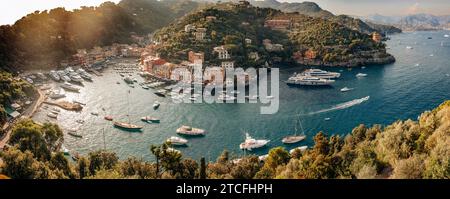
188	130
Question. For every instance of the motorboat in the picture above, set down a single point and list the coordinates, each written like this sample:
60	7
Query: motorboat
160	93
54	75
66	78
361	75
156	105
251	143
109	118
346	89
128	80
52	115
150	119
409	47
70	87
174	140
57	95
188	130
64	150
301	148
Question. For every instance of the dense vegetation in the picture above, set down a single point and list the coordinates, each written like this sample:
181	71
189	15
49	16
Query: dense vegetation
44	38
332	41
227	29
12	88
404	149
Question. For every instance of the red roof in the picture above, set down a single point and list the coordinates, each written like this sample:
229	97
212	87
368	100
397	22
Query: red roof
159	62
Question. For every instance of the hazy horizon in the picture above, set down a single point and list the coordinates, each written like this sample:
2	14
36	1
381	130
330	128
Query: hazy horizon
15	10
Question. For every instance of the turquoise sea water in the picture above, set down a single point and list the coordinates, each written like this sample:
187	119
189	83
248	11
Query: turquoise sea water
415	83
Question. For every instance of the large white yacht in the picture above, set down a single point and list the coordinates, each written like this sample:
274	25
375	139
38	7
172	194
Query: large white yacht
321	74
309	81
187	130
251	143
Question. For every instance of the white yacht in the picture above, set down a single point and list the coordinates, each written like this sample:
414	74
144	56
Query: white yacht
54	75
75	77
57	95
187	130
346	89
446	36
321	74
251	143
174	140
301	148
361	75
309	81
70	87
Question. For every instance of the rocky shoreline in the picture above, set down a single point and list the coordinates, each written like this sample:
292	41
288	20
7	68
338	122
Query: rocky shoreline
376	59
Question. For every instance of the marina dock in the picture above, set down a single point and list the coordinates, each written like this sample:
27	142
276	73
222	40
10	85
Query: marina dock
66	105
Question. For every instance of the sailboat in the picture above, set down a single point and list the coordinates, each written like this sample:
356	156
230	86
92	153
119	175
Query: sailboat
127	125
294	138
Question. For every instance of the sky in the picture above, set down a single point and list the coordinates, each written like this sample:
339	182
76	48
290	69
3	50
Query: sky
10	11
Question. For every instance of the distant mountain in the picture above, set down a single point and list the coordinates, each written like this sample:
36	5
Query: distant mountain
314	10
412	22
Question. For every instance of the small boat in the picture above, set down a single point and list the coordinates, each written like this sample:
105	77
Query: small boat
57	95
177	141
80	121
263	157
54	112
128	80
187	130
173	150
430	38
346	89
73	134
270	97
117	82
161	93
145	87
431	55
292	139
409	47
361	75
94	113
70	87
156	105
417	65
109	118
64	150
301	148
78	102
327	119
150	119
446	36
52	115
127	126
363	67
251	143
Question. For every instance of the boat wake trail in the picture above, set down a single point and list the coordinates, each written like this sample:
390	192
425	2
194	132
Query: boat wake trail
342	105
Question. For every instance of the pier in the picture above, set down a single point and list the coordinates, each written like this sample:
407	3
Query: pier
66	105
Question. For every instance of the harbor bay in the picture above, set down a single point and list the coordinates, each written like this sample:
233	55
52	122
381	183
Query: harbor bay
416	82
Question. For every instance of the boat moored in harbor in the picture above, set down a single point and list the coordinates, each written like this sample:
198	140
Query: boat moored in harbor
150	119
70	87
127	126
174	140
309	81
187	130
321	74
251	143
